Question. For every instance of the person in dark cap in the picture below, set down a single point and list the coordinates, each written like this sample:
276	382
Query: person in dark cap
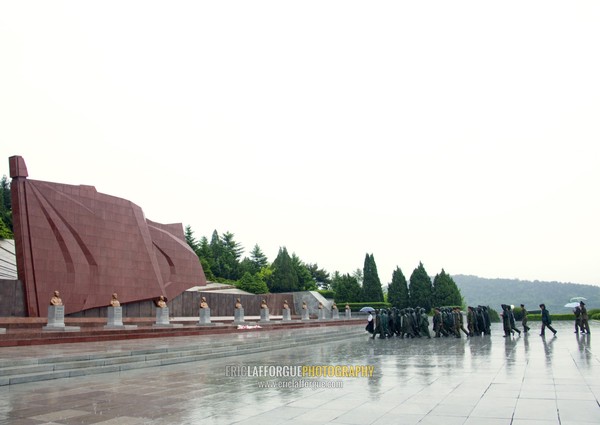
585	326
546	321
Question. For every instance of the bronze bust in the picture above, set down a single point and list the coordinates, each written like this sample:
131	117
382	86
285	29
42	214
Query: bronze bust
56	300
203	303
114	302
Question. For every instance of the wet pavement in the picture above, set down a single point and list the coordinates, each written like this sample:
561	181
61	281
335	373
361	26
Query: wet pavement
483	380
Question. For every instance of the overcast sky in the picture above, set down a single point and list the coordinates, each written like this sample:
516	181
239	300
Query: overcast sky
461	134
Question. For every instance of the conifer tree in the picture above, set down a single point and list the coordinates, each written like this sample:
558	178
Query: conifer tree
190	239
258	258
346	288
372	291
6	224
397	294
420	289
284	277
445	291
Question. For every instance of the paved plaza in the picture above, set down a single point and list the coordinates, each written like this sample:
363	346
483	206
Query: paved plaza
526	380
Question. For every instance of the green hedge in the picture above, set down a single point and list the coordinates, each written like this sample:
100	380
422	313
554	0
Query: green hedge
327	293
358	306
553	317
592	314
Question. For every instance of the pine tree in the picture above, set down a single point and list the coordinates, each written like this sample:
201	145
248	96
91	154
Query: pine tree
320	276
305	279
6	224
345	288
420	289
284	277
258	258
445	291
189	238
372	291
397	293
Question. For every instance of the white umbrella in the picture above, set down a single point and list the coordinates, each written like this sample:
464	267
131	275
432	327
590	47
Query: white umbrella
577	299
572	305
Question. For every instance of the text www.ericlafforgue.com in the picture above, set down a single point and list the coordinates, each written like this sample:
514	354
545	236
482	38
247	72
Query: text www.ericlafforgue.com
302	383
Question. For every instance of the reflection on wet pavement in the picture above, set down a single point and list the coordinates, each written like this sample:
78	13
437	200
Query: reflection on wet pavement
481	380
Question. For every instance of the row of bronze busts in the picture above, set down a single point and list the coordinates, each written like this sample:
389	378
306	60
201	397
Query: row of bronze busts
114	301
161	303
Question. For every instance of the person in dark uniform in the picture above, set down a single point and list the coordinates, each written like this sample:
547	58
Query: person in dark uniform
424	324
438	326
511	317
506	321
585	326
383	323
471	321
546	321
524	319
577	313
377	329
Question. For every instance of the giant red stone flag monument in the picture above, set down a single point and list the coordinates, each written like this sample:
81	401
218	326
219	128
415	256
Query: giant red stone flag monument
88	245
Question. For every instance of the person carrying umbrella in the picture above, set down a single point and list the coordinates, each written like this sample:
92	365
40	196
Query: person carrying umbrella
370	327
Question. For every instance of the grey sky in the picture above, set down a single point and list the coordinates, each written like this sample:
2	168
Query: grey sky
460	134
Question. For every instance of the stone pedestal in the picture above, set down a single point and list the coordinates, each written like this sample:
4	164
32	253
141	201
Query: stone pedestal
238	315
335	313
56	320
205	317
162	319
322	315
305	315
287	316
115	316
264	315
115	319
348	314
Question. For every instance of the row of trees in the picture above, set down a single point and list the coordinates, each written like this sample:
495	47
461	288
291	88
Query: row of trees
221	258
5	210
222	261
419	291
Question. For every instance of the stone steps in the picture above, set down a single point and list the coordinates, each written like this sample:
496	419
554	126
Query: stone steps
16	371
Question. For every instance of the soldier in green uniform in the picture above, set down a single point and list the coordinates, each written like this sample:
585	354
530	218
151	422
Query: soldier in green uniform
384	324
425	324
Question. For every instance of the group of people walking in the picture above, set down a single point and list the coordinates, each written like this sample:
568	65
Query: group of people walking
581	319
449	322
414	322
509	322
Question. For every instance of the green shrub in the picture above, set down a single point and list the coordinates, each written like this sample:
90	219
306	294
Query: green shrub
327	293
252	284
494	316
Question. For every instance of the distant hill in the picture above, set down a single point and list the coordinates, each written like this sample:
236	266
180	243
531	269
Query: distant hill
493	292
